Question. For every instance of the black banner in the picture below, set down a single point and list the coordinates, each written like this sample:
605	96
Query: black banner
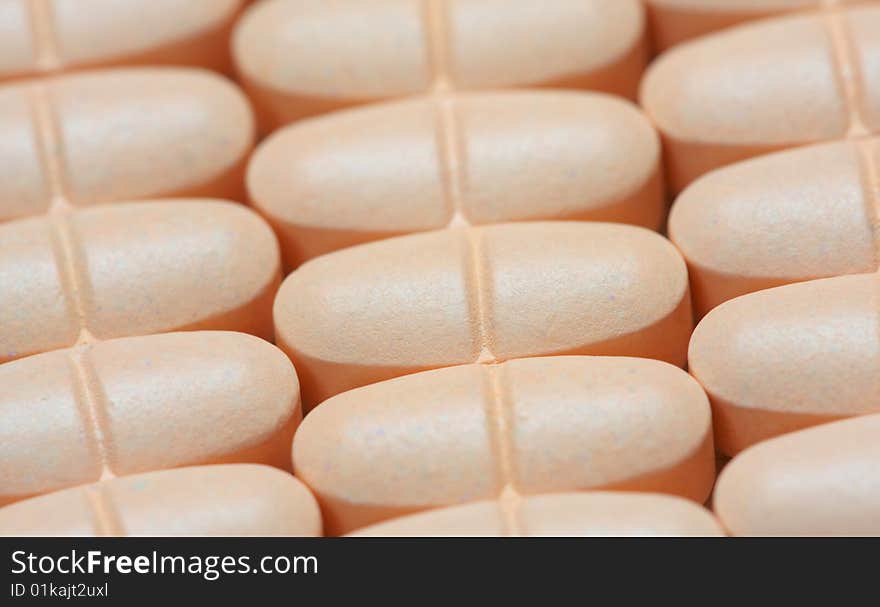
119	571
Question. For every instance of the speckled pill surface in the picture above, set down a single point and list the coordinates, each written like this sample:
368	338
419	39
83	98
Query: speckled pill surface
787	358
121	134
590	514
133	269
299	58
469	158
38	37
675	21
787	217
137	404
528	426
224	500
487	294
765	86
818	482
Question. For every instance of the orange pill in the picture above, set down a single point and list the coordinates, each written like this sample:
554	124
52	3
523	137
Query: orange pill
765	86
133	269
487	294
470	158
591	514
231	499
113	135
818	482
537	425
303	57
137	404
787	358
785	217
44	36
676	21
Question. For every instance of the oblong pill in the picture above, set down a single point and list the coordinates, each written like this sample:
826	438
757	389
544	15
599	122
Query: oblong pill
818	482
590	514
44	36
304	57
134	269
475	158
127	134
786	217
676	21
787	358
137	404
536	425
230	499
764	86
411	303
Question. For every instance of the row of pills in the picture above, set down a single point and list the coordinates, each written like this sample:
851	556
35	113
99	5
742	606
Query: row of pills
99	414
781	364
104	390
420	345
44	36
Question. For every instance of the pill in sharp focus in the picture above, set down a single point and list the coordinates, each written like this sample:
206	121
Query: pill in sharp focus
470	158
137	404
536	425
823	481
133	269
121	134
45	36
588	514
787	358
675	21
765	86
224	500
304	57
488	294
786	217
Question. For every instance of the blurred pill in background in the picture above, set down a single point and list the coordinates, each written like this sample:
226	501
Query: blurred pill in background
42	37
765	86
796	215
588	514
784	359
469	159
225	500
299	58
121	134
818	482
134	269
136	404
